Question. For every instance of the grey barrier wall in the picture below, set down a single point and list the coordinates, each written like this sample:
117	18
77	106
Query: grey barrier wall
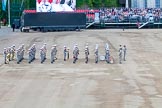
51	19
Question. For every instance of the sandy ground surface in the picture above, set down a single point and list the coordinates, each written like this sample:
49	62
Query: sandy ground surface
137	83
5	31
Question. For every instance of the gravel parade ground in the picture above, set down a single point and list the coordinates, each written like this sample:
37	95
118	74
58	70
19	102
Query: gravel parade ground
136	83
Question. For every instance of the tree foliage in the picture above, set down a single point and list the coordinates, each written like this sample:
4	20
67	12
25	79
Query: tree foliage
110	3
96	3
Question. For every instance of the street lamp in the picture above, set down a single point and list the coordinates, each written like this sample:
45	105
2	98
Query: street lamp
9	17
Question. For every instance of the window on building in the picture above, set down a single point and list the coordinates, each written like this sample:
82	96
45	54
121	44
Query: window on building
157	3
135	3
145	3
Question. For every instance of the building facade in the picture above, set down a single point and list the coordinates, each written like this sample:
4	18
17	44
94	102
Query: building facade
146	3
142	3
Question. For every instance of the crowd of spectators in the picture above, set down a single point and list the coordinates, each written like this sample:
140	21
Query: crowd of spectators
132	15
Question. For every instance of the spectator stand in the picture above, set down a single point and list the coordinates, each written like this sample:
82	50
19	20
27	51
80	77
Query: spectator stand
121	17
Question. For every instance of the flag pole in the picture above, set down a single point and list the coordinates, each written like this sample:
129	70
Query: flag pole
9	17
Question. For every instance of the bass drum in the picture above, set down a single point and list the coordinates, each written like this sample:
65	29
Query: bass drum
102	58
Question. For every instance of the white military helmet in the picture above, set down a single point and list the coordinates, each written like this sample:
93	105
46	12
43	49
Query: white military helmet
96	46
44	46
19	47
76	45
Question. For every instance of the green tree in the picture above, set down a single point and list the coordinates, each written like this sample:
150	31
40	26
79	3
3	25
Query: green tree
110	3
89	3
97	3
80	3
3	14
32	4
